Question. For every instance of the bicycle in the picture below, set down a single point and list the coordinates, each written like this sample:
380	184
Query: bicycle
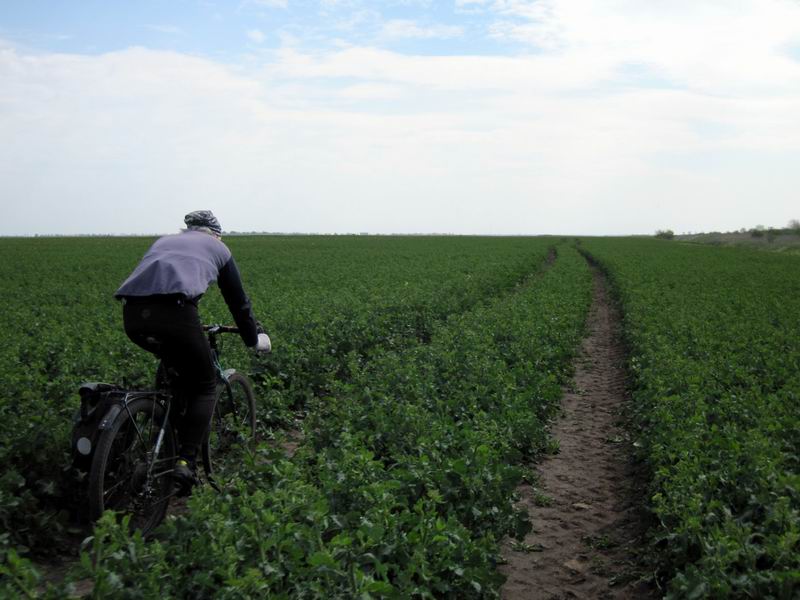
126	439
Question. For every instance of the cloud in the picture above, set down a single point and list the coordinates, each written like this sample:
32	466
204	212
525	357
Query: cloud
491	74
406	29
602	120
371	91
256	35
714	45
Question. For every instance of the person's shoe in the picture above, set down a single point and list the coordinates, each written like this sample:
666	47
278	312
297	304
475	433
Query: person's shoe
184	477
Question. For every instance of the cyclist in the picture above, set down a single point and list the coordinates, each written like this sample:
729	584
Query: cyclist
160	314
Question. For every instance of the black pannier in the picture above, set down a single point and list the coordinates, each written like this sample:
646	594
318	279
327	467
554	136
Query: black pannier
86	422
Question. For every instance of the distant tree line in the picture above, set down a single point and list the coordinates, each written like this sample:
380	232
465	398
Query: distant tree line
759	231
770	233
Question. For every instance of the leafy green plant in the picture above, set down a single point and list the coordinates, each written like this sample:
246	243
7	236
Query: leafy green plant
714	361
427	370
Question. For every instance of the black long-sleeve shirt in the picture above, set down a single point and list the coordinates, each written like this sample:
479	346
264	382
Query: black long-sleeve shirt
186	264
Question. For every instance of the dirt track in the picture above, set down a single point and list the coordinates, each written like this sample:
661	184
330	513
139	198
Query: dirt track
584	506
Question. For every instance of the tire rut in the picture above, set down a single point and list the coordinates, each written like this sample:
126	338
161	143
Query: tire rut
585	506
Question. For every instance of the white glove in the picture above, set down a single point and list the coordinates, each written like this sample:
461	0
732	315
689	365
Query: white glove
263	344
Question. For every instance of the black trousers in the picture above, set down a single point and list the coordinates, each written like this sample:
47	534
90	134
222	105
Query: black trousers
170	328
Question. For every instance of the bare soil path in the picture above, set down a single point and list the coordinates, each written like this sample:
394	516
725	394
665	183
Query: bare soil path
586	526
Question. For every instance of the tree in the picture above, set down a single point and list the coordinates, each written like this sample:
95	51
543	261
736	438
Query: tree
665	234
794	225
772	233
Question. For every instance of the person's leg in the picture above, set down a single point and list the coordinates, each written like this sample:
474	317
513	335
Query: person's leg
198	384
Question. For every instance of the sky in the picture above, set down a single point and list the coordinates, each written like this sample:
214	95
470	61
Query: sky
580	117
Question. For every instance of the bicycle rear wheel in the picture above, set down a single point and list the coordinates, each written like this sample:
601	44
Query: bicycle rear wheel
126	476
233	425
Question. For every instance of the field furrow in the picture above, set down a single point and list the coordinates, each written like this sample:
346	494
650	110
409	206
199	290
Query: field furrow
715	362
584	504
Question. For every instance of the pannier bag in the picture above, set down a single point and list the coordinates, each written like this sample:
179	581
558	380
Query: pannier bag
86	422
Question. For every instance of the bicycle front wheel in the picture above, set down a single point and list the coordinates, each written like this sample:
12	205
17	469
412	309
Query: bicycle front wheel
233	425
127	474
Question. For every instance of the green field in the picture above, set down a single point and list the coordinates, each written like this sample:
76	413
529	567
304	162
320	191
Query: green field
422	372
714	338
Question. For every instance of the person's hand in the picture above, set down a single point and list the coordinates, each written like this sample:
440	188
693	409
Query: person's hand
263	344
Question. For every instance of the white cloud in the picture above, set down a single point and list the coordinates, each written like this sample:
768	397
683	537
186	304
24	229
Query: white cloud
715	45
256	35
494	74
372	91
683	118
403	28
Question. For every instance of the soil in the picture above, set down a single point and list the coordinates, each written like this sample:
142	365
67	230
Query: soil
294	437
584	507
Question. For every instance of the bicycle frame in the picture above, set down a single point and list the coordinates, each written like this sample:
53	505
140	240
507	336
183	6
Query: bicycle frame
213	330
